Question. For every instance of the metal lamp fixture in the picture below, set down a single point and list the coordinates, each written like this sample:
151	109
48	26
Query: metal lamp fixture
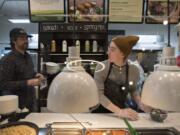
162	87
73	90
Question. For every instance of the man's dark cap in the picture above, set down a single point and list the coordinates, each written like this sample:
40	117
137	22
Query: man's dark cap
16	32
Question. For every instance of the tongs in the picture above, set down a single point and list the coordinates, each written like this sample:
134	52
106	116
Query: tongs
131	129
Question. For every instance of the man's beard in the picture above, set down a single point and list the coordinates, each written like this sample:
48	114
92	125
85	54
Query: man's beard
24	46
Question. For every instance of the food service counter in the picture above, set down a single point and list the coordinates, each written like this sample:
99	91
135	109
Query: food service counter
89	120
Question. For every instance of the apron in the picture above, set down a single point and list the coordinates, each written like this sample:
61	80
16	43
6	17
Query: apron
116	93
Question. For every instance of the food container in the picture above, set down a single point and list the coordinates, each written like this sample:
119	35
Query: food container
107	131
8	104
158	115
65	128
21	127
77	128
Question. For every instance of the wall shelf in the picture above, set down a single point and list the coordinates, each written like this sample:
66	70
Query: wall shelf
59	32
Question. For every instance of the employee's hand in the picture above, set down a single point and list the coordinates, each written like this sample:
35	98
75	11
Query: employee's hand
33	82
40	77
128	113
145	107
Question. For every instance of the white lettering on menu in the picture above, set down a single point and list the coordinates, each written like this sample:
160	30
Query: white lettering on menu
50	28
93	27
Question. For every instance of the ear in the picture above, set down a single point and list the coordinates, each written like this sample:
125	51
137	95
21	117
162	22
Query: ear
13	40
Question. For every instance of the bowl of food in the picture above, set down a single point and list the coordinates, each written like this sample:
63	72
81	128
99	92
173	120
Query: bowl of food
19	128
158	115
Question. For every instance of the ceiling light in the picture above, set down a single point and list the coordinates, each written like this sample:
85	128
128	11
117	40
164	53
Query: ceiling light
19	20
165	22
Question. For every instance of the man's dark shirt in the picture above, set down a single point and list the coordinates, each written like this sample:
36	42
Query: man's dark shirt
15	70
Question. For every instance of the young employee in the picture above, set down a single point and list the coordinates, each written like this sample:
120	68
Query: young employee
118	79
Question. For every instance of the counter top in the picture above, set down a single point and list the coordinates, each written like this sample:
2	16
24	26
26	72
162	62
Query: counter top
110	120
103	120
41	119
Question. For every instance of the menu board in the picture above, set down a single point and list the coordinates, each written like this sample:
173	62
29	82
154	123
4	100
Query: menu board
86	10
46	10
157	11
126	11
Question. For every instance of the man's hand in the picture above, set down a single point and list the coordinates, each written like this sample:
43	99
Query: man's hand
128	113
33	82
36	81
40	77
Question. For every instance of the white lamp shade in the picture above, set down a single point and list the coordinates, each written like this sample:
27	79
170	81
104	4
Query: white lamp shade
162	90
72	92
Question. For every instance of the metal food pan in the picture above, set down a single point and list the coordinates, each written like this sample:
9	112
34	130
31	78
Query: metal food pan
65	128
158	131
107	131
